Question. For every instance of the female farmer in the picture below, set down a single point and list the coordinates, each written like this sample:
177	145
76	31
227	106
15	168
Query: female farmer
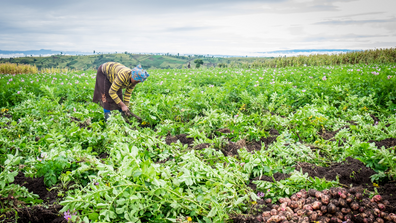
111	78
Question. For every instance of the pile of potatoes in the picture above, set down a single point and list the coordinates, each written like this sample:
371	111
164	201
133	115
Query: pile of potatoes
336	205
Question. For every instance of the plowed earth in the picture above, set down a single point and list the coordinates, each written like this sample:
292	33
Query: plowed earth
231	148
351	172
38	213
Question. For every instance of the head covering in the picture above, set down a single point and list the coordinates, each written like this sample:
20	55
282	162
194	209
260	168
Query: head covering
138	74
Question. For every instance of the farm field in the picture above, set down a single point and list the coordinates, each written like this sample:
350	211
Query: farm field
127	59
214	146
148	61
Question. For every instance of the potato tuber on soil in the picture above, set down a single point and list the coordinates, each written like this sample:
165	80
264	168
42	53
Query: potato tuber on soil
335	205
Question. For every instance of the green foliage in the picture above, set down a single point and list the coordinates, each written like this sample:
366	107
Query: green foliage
381	160
89	62
293	184
12	196
52	169
198	62
128	167
167	61
387	55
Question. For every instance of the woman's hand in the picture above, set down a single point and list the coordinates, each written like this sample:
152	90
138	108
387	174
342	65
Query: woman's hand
124	108
126	111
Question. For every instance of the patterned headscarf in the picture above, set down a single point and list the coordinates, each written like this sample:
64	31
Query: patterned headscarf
138	74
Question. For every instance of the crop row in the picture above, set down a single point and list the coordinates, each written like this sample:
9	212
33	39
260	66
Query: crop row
50	128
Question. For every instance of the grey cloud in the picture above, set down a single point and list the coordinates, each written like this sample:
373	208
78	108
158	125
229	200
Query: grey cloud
295	7
361	14
353	22
62	17
160	25
105	7
345	38
187	29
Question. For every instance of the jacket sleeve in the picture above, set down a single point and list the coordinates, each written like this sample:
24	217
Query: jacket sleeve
127	95
115	86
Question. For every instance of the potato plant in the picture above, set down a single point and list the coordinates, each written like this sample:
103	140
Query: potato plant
58	133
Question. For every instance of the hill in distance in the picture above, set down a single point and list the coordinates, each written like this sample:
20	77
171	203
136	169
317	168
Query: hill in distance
148	61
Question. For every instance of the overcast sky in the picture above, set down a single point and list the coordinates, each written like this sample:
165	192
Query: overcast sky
232	27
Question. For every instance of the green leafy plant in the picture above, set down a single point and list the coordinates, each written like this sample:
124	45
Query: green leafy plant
52	169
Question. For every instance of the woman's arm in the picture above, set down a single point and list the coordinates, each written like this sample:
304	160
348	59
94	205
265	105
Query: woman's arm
115	86
120	80
127	95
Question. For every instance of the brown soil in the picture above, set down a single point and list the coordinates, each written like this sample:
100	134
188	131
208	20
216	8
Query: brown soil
375	119
245	219
162	161
277	177
274	132
269	140
225	131
231	149
387	143
352	122
330	134
37	214
36	186
182	138
388	192
5	115
81	124
352	171
253	146
314	149
202	146
103	156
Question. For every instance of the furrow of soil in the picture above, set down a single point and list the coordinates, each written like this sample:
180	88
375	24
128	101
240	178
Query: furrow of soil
48	212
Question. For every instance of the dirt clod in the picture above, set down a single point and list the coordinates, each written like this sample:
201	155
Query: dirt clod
375	119
37	214
387	143
352	171
182	138
36	186
202	146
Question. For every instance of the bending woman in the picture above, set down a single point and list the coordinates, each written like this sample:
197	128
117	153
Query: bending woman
111	78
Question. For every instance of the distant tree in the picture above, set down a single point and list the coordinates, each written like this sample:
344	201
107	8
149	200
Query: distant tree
198	62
